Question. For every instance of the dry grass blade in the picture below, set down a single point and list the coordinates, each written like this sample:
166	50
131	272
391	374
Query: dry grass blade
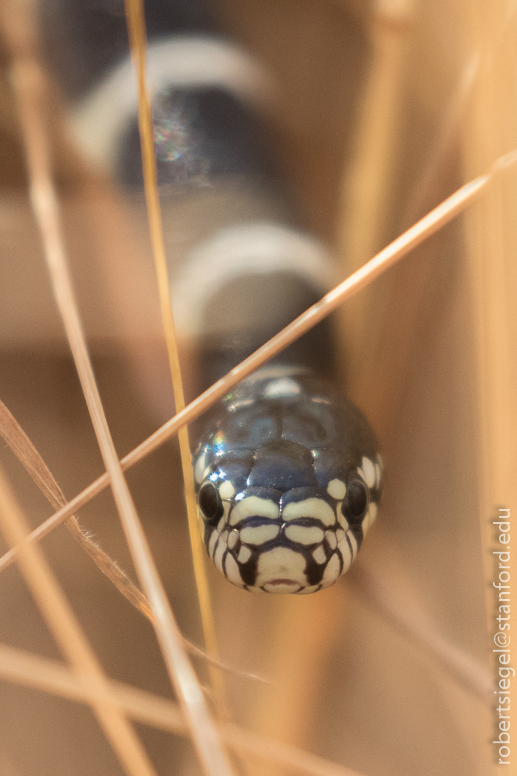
49	675
431	223
29	89
137	36
22	447
69	635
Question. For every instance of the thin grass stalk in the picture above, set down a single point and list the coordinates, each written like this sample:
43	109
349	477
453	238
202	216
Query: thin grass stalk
28	84
36	468
137	35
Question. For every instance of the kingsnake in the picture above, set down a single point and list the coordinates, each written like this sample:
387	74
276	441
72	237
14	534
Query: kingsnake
287	472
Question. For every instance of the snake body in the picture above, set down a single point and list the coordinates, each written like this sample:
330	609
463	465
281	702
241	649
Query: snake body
287	472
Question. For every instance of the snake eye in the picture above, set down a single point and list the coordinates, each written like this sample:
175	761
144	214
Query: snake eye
355	503
210	503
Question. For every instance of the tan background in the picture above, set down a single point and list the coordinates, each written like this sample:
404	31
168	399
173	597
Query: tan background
344	682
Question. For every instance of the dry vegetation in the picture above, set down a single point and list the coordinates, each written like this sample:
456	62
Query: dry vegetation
386	110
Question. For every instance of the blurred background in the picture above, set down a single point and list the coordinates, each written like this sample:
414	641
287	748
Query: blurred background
385	109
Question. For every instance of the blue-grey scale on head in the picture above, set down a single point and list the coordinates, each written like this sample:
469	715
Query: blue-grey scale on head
288	473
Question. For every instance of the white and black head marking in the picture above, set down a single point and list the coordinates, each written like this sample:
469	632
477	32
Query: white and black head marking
281	515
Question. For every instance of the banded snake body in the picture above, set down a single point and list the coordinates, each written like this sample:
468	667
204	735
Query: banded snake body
287	472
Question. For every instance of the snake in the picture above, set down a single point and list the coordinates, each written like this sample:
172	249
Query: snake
288	472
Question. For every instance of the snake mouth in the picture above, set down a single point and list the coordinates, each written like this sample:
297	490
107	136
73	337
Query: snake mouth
281	585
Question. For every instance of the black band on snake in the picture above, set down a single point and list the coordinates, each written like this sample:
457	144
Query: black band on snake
287	471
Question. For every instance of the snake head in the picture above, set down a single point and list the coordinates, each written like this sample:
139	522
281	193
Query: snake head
280	516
